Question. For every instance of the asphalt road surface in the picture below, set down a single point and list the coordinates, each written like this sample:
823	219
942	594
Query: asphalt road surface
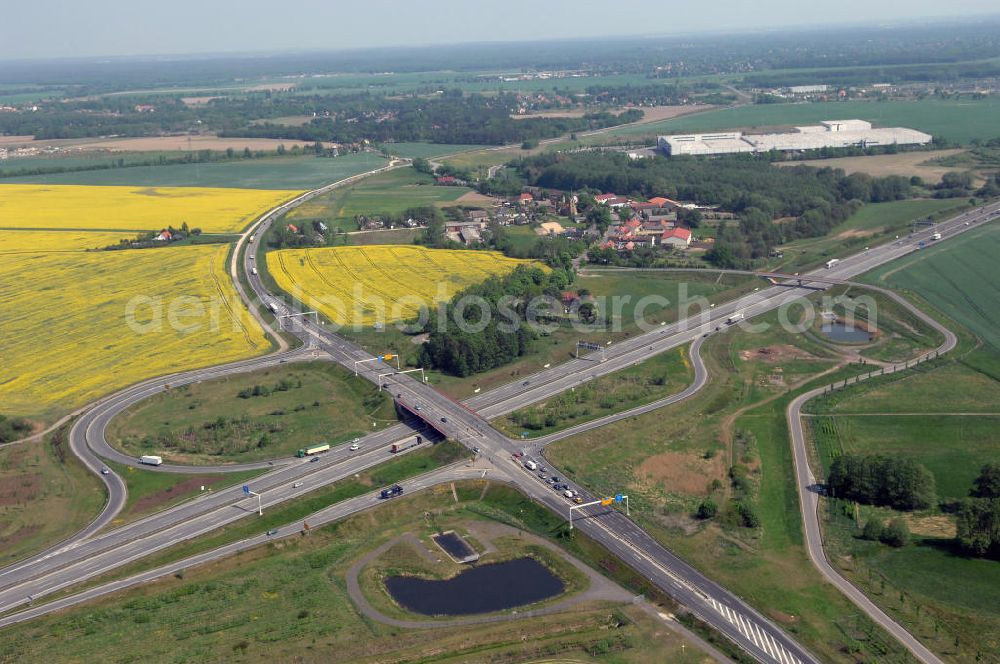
715	605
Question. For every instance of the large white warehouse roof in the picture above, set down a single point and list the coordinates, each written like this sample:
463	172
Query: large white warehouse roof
827	134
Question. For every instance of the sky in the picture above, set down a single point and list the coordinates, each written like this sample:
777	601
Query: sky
85	28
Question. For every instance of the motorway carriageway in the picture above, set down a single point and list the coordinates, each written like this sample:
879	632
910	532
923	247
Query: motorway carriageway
634	345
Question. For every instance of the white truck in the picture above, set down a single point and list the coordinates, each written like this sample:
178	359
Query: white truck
251	239
936	236
735	318
830	263
150	460
530	464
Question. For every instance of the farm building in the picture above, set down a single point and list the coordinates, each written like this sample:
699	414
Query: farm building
827	134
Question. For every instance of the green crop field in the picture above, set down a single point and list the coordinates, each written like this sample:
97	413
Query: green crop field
266	173
383	194
952	447
958	121
281	409
958	277
92	160
871	224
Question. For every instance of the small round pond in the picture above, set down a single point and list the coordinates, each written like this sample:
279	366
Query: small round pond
481	589
843	333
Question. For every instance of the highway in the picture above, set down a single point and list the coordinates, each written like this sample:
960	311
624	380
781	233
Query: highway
716	605
335	512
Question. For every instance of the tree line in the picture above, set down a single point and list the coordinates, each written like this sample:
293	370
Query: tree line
895	482
504	337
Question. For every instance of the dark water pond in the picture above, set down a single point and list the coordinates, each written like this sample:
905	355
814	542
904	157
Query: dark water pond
480	589
456	547
841	333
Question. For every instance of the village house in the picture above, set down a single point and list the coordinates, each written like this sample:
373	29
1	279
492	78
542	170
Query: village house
677	237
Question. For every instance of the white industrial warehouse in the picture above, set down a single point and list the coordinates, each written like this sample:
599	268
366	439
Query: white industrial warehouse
827	134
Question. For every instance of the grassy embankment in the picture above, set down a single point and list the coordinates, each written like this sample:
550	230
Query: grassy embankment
262	414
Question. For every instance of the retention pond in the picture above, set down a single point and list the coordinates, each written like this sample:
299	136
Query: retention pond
482	589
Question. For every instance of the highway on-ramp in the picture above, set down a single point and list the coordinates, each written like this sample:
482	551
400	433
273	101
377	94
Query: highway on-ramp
751	631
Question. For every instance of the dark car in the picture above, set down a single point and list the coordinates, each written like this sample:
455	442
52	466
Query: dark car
445	420
314	460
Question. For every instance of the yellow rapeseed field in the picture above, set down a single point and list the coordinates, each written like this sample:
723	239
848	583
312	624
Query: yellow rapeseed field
19	241
78	325
380	283
133	208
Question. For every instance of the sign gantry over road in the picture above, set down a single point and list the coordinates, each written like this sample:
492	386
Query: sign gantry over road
616	499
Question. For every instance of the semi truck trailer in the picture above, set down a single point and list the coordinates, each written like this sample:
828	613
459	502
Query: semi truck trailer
315	449
407	444
150	460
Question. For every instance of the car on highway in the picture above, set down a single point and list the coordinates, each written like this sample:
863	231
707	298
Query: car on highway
314	460
105	471
550	480
354	448
542	476
416	407
525	383
297	485
477	450
272	531
445	420
555	478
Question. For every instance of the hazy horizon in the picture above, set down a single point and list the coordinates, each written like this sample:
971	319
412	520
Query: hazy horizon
114	28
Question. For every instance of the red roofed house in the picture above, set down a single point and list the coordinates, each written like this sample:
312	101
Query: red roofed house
293	228
446	179
525	198
164	236
678	237
604	198
665	202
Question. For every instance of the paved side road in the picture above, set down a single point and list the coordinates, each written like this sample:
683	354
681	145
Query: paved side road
809	495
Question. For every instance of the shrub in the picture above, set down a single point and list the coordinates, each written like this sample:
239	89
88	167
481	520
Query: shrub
707	509
873	530
896	534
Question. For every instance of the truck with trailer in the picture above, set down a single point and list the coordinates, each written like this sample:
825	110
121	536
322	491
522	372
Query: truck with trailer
150	460
391	492
407	444
735	318
310	451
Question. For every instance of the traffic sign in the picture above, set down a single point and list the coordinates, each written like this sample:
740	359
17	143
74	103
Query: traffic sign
607	501
246	489
618	497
